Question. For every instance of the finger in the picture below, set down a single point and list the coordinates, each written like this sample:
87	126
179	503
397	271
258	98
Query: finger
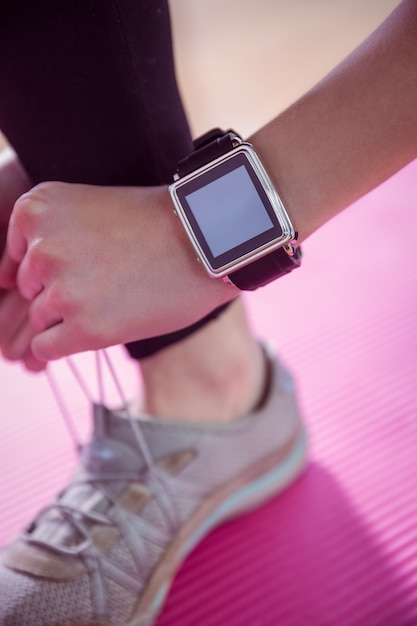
18	345
41	314
29	280
53	343
13	311
32	364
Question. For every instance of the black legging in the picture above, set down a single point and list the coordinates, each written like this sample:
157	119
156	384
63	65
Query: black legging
88	94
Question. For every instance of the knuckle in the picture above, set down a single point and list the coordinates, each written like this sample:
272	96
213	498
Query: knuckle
33	273
22	208
30	206
63	300
43	261
58	298
39	256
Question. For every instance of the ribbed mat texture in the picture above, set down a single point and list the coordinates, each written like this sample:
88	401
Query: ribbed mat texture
339	547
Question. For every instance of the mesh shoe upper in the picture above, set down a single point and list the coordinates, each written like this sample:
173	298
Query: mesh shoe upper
125	523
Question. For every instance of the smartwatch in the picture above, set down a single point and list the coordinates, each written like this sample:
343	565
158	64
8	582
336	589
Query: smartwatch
232	214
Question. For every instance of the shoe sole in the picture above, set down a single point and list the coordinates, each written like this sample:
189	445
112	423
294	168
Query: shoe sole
254	486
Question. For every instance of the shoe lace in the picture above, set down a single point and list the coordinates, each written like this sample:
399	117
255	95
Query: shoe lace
81	517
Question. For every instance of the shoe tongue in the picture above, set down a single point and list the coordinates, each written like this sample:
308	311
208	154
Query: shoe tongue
113	448
112	455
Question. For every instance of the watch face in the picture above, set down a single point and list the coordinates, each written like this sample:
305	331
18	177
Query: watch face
229	212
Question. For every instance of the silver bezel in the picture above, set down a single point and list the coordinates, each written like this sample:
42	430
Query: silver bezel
288	232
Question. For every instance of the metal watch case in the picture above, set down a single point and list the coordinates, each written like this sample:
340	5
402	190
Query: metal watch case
285	240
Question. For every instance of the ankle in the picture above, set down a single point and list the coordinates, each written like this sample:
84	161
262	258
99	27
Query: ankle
202	394
217	374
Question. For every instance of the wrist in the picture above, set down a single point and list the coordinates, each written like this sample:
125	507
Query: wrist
288	178
232	214
190	266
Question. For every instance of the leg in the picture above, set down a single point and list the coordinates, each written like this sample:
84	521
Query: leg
215	374
98	101
147	490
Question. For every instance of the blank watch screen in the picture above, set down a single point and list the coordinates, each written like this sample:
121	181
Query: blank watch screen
229	211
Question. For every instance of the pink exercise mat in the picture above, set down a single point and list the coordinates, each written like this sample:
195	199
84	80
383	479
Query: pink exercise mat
340	546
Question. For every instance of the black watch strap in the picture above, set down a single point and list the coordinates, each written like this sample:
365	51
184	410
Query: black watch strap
208	147
266	269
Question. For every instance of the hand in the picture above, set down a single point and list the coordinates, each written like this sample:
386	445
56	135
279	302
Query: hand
103	265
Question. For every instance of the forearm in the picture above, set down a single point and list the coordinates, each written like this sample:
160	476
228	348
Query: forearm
355	129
